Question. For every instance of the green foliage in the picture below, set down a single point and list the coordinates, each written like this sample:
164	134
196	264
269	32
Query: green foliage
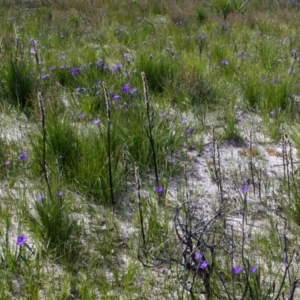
92	178
9	256
251	89
225	7
62	147
159	69
199	91
54	226
18	84
158	236
276	94
168	135
231	131
3	157
201	14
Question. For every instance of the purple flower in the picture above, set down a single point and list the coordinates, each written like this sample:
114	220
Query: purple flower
115	97
40	197
237	270
225	62
97	93
33	41
96	121
274	80
82	115
75	71
34	50
22	155
52	68
189	131
125	88
264	79
21	240
183	120
252	269
62	56
116	67
79	90
127	57
159	190
198	256
7	163
245	189
60	193
132	91
294	52
99	63
45	76
163	114
271	113
291	70
203	264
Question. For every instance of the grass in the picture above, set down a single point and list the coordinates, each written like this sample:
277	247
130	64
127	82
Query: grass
148	149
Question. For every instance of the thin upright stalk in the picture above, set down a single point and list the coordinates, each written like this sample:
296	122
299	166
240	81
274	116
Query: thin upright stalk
138	185
107	102
150	124
43	163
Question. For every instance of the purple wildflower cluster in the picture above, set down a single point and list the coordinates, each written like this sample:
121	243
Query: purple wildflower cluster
116	67
126	89
202	263
239	269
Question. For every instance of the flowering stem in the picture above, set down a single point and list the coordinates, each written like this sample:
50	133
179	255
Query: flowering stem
150	119
43	162
251	163
138	184
107	100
